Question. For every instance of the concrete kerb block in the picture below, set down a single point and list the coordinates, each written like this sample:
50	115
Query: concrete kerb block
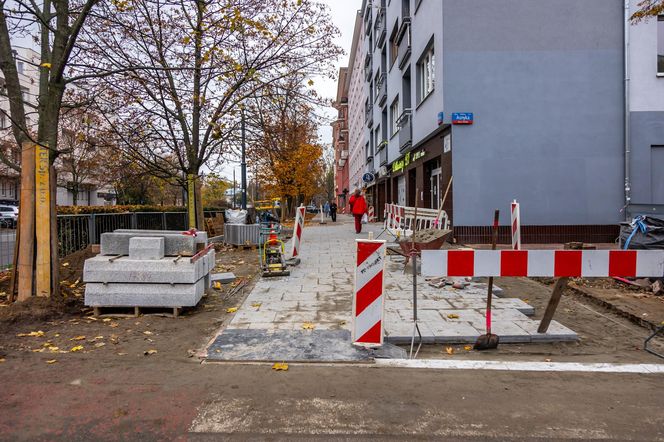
144	295
146	248
200	238
117	243
127	270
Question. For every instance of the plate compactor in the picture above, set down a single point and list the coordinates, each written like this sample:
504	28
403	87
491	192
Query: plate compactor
271	250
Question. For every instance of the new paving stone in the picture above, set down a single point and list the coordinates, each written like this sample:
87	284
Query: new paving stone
112	243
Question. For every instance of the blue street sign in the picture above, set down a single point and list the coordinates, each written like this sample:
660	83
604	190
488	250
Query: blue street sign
368	177
462	118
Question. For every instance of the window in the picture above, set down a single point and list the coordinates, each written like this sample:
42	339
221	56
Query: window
24	93
425	74
19	67
394	116
394	45
3	120
660	45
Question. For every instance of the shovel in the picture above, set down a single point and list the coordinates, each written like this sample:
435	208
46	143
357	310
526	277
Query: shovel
489	341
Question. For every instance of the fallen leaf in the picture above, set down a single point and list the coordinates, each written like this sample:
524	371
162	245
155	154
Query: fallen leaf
106	320
100	344
468	347
113	325
65	264
147	332
256	304
76	348
54	349
280	366
37	350
74	284
343	322
231	310
57	335
149	352
122	354
308	326
51	361
98	337
217	285
547	360
32	334
78	338
449	350
2	360
453	316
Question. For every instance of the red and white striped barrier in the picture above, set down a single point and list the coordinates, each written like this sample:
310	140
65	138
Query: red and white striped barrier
368	297
516	226
370	214
544	263
298	227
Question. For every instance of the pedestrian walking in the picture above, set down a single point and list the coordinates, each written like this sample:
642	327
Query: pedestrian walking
326	209
333	211
358	207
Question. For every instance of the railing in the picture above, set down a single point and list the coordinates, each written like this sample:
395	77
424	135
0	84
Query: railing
368	114
404	44
381	89
368	68
382	153
380	30
405	130
344	154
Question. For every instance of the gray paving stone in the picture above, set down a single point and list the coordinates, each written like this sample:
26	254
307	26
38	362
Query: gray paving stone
556	332
146	248
224	278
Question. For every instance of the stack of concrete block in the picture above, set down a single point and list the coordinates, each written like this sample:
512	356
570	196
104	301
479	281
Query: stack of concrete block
148	268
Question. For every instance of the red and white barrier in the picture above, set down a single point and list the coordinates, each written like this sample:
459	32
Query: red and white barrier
400	220
298	227
368	296
544	263
516	226
370	214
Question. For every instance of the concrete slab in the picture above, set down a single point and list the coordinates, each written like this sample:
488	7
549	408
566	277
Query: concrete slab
141	247
200	238
143	295
113	243
286	346
224	278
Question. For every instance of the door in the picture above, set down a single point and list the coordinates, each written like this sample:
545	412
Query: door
401	189
435	188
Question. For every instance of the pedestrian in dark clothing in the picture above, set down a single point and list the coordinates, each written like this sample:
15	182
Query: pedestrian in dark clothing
333	211
358	207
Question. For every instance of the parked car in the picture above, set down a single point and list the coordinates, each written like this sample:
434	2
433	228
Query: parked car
312	209
8	216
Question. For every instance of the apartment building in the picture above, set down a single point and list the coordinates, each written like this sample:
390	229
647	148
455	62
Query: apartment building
357	93
90	193
516	99
340	140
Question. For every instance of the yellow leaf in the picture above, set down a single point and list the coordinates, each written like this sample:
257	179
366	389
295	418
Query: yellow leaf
75	283
280	366
453	316
106	320
76	348
37	350
99	344
98	337
308	326
51	361
468	347
77	338
310	82
231	310
46	65
217	285
32	334
2	360
149	352
53	349
256	304
449	350
65	264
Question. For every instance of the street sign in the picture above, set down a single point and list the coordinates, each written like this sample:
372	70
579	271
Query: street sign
462	118
368	177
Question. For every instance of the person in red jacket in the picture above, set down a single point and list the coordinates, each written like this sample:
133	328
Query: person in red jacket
358	207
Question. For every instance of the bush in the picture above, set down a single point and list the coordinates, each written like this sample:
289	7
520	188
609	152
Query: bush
84	210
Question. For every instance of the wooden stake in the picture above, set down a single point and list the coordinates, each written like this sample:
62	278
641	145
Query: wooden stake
55	261
27	220
558	290
191	201
14	280
43	221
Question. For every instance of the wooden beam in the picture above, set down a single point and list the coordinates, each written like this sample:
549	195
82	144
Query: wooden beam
43	221
557	293
27	220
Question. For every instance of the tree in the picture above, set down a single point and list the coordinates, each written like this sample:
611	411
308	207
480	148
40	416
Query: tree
214	190
199	60
57	24
648	9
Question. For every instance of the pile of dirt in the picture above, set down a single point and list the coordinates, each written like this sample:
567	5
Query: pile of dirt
427	235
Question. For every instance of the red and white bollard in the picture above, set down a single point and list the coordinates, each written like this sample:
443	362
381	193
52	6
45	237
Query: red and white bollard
298	227
371	215
516	226
368	296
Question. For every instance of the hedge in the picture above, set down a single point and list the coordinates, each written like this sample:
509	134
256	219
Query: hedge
84	210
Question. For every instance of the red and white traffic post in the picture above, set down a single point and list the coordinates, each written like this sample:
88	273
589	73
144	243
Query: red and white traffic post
298	227
516	226
368	296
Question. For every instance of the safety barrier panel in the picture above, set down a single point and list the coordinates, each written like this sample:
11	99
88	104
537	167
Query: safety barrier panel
371	215
368	296
544	263
298	227
516	225
401	219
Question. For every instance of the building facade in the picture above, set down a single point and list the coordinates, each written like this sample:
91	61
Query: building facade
340	141
90	193
357	93
515	99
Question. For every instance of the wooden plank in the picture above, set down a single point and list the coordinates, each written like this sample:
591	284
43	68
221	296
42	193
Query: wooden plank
55	261
27	220
557	293
14	276
43	221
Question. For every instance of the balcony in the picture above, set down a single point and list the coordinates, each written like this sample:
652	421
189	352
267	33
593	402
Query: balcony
368	67
381	152
380	28
404	47
342	163
405	130
381	89
367	18
343	154
368	114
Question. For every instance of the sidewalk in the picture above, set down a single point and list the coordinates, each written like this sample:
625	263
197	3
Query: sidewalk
308	314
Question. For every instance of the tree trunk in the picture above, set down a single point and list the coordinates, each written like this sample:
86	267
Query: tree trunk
27	220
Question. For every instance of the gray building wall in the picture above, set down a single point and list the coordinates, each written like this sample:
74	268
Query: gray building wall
544	80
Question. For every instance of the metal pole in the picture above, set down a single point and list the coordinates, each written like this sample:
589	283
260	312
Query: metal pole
233	188
243	166
626	85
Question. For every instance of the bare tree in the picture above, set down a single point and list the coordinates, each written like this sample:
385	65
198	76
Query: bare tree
196	61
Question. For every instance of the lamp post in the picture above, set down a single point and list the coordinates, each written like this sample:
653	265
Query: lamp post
243	166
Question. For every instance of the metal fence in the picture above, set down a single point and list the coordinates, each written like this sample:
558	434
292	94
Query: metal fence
76	232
